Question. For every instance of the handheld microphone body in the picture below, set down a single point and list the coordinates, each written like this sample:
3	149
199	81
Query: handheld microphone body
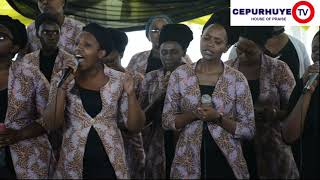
69	70
65	76
312	78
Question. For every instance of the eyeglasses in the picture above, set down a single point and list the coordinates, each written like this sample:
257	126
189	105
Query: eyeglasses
155	30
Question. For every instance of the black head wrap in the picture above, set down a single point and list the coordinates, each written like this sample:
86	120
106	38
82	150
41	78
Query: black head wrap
317	34
179	33
153	18
102	35
222	17
120	40
45	18
279	31
17	29
258	34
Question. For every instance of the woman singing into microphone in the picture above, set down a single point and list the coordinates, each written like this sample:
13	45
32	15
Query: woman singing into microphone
89	105
221	125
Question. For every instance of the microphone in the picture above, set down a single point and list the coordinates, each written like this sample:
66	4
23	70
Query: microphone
69	70
206	100
312	78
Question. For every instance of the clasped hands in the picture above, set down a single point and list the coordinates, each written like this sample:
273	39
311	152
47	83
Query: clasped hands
207	113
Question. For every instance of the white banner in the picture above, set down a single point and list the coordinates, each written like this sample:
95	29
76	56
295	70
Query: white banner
275	12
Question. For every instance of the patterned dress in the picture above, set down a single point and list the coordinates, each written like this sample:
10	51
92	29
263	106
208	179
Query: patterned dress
274	157
139	62
231	97
69	31
78	123
153	136
28	90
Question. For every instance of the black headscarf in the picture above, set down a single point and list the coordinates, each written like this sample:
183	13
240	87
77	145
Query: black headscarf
17	29
120	40
258	34
222	18
102	35
179	33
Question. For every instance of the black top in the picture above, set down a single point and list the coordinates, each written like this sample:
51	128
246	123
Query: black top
307	148
6	166
289	55
154	114
96	163
248	145
47	64
91	101
213	162
254	89
153	63
3	104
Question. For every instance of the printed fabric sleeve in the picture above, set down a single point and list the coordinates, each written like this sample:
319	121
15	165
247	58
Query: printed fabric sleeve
123	110
285	83
171	103
244	115
55	79
144	91
132	63
27	99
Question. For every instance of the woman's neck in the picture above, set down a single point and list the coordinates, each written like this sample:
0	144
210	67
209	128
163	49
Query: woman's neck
5	63
251	63
91	72
155	52
171	69
211	66
4	73
60	18
49	51
116	65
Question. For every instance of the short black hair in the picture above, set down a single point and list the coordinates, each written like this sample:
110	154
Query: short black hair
179	33
102	35
258	34
45	18
120	40
17	29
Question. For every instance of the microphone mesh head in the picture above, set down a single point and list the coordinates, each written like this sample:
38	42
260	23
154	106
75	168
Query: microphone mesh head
206	99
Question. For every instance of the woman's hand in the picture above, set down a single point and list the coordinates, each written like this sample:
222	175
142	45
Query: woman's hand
208	113
264	110
69	65
8	136
129	84
314	68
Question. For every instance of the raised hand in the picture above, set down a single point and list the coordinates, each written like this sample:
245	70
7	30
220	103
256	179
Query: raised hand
129	84
314	68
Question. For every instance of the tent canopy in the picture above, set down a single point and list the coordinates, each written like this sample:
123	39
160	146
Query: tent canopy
128	15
